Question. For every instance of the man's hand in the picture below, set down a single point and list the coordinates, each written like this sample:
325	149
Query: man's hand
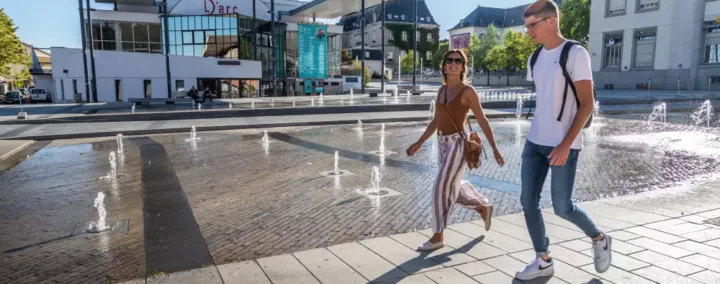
559	155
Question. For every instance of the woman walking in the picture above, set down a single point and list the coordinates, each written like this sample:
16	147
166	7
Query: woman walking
455	98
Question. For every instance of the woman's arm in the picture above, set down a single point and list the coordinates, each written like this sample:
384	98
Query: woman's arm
473	102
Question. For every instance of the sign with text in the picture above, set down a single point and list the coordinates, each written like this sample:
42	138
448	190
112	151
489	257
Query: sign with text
312	51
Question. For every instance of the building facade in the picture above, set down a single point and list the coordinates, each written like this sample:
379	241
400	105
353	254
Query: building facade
656	44
477	22
399	24
224	46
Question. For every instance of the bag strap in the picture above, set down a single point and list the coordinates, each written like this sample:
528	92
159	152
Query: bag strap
533	60
568	81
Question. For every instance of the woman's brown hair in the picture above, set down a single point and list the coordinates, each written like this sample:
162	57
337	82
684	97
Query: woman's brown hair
464	65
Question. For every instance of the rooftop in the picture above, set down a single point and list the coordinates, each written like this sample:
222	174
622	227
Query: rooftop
499	17
395	11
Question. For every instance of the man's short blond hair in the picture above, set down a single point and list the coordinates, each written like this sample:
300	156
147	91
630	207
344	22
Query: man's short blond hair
542	9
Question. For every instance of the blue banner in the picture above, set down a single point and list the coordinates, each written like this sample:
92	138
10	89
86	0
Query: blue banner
312	51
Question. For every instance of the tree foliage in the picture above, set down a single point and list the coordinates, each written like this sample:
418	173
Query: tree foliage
438	55
575	20
347	58
12	50
406	63
423	45
475	58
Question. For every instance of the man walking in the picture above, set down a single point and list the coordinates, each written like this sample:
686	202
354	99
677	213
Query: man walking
554	140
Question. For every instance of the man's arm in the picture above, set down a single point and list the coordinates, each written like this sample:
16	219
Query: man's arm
581	75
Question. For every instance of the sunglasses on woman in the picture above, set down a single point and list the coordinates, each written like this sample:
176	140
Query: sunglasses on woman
455	60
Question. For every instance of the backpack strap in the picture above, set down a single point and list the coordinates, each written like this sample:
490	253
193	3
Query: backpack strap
568	81
533	60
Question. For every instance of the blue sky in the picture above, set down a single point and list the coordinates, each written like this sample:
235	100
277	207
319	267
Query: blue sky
47	23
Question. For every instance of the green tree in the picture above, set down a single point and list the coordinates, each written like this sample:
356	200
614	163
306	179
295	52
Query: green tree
22	78
12	50
487	43
438	55
575	20
475	58
346	57
496	58
367	76
518	48
406	63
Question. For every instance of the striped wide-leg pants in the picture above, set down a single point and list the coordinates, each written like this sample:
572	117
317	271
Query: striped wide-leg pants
449	185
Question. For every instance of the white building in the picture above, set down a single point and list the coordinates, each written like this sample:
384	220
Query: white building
669	44
477	22
210	46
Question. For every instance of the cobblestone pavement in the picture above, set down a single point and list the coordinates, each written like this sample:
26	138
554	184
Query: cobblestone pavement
253	200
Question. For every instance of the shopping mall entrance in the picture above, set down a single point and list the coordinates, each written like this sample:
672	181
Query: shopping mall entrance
229	88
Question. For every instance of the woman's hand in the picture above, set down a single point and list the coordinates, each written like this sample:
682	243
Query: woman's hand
498	158
414	148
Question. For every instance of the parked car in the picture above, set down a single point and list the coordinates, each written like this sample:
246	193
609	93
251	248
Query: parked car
40	95
12	97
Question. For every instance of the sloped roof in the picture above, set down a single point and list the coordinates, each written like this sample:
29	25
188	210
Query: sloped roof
396	11
499	17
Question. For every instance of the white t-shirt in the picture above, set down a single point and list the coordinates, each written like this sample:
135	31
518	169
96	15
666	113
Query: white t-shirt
549	81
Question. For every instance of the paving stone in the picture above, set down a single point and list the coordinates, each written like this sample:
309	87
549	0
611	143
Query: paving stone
660	247
623	235
242	272
407	259
695	219
571	274
622	261
366	262
475	268
667	263
676	227
625	248
703	261
201	275
510	230
557	252
655	235
660	275
554	231
707	277
617	275
578	245
551	218
498	240
710	214
412	279
447	256
621	213
285	268
715	243
327	268
449	276
494	277
506	264
704	235
700	248
476	248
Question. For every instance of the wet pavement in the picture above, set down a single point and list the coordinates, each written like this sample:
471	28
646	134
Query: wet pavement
228	197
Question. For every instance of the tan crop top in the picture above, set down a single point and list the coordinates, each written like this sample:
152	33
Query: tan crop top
457	112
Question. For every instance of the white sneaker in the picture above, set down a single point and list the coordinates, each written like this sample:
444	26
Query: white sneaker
602	252
428	246
537	268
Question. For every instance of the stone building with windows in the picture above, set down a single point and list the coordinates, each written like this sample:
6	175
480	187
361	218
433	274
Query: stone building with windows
398	33
477	22
656	44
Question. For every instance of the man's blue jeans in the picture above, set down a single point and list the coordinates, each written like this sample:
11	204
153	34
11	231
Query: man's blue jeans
535	166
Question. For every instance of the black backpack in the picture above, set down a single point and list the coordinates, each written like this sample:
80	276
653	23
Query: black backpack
568	81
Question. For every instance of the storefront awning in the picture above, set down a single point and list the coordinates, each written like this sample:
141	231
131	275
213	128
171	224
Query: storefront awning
330	9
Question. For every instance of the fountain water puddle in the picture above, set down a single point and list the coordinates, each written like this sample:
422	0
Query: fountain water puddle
700	143
337	172
375	190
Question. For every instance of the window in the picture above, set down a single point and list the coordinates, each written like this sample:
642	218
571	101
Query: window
367	54
712	42
429	38
148	88
644	48
75	90
615	7
429	55
404	36
212	36
62	88
390	55
131	37
118	91
612	51
417	36
179	85
647	5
